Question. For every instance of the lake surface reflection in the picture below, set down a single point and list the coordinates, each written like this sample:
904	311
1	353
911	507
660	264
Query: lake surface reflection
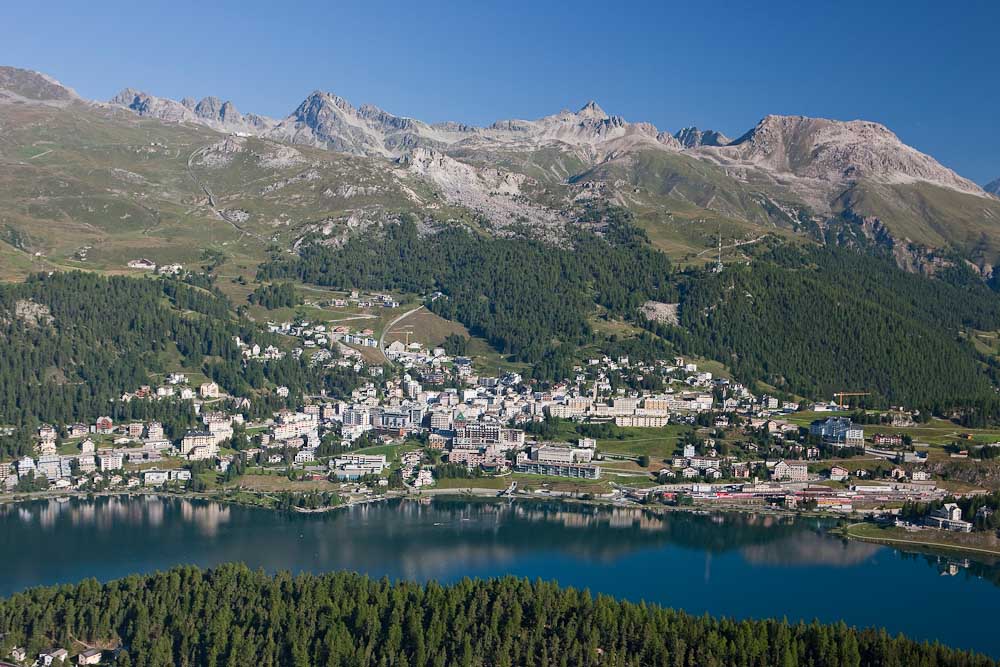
725	564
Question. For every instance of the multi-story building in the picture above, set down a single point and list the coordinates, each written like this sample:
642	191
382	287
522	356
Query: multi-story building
110	459
355	466
642	421
87	463
104	425
48	465
795	471
154	431
440	420
203	452
838	431
575	470
194	439
482	434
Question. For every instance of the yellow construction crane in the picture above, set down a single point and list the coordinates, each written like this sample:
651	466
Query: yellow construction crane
841	394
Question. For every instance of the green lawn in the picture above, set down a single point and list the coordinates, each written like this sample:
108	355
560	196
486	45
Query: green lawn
979	542
656	443
391	452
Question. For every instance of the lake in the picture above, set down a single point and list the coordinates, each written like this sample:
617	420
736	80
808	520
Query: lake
724	564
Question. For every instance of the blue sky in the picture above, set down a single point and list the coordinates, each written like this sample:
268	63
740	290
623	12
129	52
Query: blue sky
928	70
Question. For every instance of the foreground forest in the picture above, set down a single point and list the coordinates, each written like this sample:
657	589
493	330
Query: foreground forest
234	616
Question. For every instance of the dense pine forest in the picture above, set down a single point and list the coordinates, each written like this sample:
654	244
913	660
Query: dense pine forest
235	616
814	321
72	343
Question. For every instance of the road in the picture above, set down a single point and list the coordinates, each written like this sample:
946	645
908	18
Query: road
211	199
388	328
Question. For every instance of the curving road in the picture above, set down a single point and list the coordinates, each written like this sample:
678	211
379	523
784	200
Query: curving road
388	327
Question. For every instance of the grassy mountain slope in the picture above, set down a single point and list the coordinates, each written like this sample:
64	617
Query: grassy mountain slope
685	203
931	216
89	187
85	188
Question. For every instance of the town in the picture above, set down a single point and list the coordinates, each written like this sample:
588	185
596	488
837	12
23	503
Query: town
618	431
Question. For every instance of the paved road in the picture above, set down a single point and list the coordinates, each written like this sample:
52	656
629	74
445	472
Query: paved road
388	327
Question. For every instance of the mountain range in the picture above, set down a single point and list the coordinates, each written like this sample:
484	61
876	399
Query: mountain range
334	169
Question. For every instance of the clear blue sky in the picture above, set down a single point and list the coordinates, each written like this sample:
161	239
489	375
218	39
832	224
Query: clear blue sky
928	70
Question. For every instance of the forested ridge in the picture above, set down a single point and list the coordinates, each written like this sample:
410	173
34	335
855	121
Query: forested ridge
234	616
72	342
814	321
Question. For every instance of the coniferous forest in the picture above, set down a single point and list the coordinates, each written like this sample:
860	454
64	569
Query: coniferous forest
234	616
71	343
806	320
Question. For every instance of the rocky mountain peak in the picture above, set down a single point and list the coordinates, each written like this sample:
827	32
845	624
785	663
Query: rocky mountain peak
837	152
150	106
209	107
692	137
993	187
592	110
25	85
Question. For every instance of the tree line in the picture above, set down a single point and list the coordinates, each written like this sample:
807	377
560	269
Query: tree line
234	616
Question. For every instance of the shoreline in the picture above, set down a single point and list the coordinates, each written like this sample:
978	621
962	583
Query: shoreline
491	495
918	545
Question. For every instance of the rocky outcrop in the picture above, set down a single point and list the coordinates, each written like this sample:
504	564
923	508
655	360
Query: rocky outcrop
210	111
692	137
150	106
496	194
993	187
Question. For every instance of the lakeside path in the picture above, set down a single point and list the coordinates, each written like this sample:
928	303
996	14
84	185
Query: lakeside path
851	532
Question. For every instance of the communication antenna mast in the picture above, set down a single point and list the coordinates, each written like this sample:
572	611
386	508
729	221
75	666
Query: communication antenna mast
718	263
